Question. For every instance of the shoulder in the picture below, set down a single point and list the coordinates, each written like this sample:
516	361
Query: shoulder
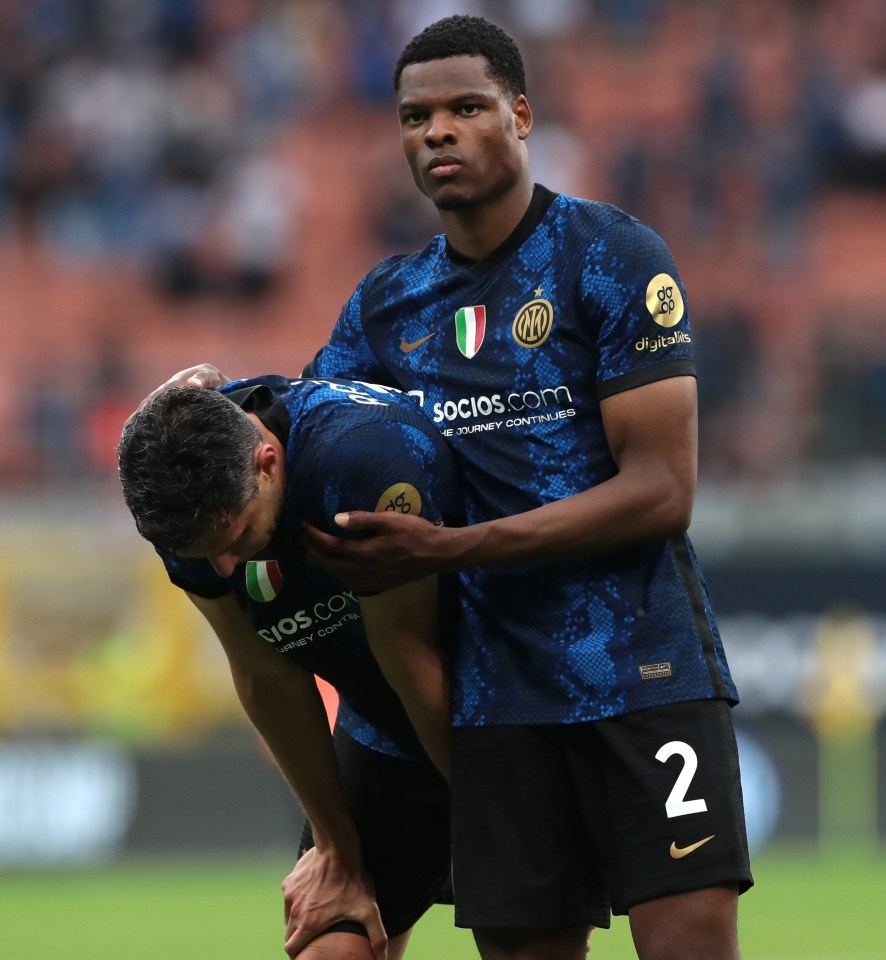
594	218
402	265
615	243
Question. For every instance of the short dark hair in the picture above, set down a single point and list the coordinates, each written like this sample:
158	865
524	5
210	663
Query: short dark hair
187	464
460	36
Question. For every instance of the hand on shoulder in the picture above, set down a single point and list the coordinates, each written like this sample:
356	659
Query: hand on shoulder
391	549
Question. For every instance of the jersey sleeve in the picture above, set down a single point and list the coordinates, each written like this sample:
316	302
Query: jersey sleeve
195	576
632	286
382	465
347	354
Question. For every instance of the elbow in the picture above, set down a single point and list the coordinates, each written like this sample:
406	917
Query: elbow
667	509
255	691
674	514
248	694
678	523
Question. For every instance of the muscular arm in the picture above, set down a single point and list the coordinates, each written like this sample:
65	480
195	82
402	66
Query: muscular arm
652	433
402	629
285	706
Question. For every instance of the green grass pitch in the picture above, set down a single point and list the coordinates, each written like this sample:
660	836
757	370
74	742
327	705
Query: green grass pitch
804	907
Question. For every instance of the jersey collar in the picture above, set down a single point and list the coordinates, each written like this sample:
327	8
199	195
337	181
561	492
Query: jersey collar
260	400
542	198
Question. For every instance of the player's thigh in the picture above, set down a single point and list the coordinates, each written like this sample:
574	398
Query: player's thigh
565	943
701	923
673	819
401	809
520	855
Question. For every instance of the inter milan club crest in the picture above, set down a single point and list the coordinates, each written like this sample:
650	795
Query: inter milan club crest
263	579
533	322
470	328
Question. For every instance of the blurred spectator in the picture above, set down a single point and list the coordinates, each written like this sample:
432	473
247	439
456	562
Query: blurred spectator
631	22
851	414
403	219
558	157
257	202
107	401
175	227
547	22
727	359
864	118
376	43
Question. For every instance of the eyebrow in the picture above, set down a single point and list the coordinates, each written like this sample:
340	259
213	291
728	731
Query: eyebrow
454	98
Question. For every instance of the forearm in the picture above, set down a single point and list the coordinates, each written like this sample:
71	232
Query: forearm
285	707
649	497
613	516
301	744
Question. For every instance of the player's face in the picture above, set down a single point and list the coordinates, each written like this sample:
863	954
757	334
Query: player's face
242	537
461	132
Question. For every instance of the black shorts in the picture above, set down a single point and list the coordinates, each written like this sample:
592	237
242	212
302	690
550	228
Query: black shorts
401	809
557	825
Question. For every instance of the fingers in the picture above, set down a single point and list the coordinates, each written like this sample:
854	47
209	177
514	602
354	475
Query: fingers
202	375
378	940
318	536
299	939
363	520
205	375
382	523
300	931
303	935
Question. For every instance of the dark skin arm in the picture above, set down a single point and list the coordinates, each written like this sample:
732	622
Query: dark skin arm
652	433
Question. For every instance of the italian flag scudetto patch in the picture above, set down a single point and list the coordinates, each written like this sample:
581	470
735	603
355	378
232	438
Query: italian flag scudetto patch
470	328
263	579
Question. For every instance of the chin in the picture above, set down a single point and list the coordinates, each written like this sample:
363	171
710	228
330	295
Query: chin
460	201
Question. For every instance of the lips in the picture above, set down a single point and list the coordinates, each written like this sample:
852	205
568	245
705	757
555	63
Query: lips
444	166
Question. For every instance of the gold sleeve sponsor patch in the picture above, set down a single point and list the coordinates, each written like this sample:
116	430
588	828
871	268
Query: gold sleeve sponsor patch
664	300
400	497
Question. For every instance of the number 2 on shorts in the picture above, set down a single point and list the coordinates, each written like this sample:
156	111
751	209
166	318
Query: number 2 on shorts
677	805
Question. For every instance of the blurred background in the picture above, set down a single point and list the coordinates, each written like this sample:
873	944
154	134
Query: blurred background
190	180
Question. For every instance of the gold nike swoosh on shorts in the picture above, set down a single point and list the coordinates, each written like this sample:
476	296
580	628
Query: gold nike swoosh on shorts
409	347
677	853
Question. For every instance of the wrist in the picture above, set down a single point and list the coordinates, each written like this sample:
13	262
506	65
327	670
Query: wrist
344	849
462	548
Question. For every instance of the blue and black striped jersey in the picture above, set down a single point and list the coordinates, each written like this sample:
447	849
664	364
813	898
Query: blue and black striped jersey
348	446
510	359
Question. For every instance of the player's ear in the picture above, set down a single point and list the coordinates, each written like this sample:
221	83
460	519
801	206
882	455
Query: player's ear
522	116
267	462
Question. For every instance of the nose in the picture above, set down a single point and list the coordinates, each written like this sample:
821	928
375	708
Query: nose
224	564
438	130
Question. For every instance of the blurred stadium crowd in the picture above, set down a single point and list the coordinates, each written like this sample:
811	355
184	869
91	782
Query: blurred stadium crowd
184	180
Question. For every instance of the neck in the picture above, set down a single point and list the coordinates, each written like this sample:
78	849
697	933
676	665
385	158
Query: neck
476	231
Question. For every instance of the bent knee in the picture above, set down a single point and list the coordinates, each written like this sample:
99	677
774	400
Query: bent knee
337	945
